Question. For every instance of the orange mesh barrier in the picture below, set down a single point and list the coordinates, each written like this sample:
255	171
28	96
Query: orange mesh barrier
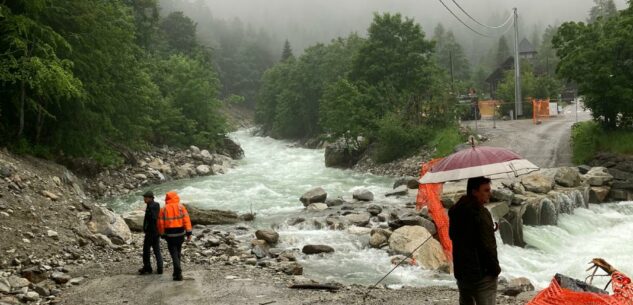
430	195
540	110
556	295
487	108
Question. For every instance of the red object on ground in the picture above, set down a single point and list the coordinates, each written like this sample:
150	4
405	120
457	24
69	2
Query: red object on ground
556	295
429	195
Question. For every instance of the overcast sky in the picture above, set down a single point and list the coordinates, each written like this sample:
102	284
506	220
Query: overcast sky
305	22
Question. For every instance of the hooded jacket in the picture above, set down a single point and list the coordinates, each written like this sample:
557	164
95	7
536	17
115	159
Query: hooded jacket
173	219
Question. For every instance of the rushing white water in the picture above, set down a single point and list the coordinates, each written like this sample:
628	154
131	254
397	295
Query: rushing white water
274	174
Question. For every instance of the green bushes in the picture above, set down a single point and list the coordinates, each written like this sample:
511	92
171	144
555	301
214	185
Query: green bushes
590	138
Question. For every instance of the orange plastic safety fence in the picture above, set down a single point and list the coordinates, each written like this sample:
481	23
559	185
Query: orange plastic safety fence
540	110
429	195
556	295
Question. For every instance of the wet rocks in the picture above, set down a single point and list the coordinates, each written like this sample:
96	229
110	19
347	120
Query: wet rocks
538	183
379	238
516	286
358	219
598	176
203	170
134	220
374	209
399	191
270	236
316	249
430	256
211	216
315	195
316	207
568	177
410	182
363	195
598	194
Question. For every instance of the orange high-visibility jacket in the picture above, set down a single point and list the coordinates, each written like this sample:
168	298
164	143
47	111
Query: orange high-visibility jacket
173	218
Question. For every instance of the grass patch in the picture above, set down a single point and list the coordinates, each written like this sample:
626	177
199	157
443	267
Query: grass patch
589	138
446	140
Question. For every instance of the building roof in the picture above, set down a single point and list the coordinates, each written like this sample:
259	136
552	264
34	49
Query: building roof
526	47
498	73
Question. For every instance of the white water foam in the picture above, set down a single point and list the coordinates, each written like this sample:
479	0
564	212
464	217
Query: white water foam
273	175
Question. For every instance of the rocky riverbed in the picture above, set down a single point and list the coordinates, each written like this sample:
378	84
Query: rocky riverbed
57	245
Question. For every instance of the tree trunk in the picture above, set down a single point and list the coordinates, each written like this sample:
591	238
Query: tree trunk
40	123
22	102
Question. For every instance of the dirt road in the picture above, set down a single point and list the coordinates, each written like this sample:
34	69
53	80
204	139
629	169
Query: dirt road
240	285
546	145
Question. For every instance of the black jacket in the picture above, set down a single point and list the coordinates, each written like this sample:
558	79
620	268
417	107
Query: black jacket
474	246
150	222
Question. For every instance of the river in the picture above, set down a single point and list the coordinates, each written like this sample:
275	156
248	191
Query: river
273	174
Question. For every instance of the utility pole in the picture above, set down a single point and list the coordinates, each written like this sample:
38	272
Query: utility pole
450	55
518	109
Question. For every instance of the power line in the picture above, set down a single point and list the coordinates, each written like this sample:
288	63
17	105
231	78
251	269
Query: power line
462	22
484	25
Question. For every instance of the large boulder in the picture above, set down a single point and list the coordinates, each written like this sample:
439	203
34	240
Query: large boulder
598	194
538	183
358	219
203	170
374	209
363	195
598	176
342	154
313	196
270	236
316	249
549	215
211	217
568	177
430	256
399	191
410	182
379	238
134	220
110	224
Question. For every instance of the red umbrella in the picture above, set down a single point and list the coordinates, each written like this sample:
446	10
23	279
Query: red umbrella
491	162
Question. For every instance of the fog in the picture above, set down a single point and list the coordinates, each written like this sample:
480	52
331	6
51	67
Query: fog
304	22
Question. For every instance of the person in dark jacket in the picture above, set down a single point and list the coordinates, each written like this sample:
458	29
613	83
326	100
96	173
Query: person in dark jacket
152	238
475	259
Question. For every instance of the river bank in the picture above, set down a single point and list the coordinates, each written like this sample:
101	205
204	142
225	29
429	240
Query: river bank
92	249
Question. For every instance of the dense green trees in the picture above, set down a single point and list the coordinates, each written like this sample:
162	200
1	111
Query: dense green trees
387	88
599	58
84	78
241	53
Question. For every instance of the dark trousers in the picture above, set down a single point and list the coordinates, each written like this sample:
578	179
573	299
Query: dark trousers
174	244
483	292
152	242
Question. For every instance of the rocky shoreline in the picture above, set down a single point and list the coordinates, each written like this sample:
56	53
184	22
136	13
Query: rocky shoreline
54	239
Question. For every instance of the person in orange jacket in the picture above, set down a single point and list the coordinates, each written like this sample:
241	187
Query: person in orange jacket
173	225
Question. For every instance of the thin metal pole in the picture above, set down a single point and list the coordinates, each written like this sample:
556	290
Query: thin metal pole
517	68
494	114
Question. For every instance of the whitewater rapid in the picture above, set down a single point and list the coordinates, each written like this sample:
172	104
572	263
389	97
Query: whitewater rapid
273	174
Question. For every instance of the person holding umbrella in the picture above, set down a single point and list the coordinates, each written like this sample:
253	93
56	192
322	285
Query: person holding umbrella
475	259
471	228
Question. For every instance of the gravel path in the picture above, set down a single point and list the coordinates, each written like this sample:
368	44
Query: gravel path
546	145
